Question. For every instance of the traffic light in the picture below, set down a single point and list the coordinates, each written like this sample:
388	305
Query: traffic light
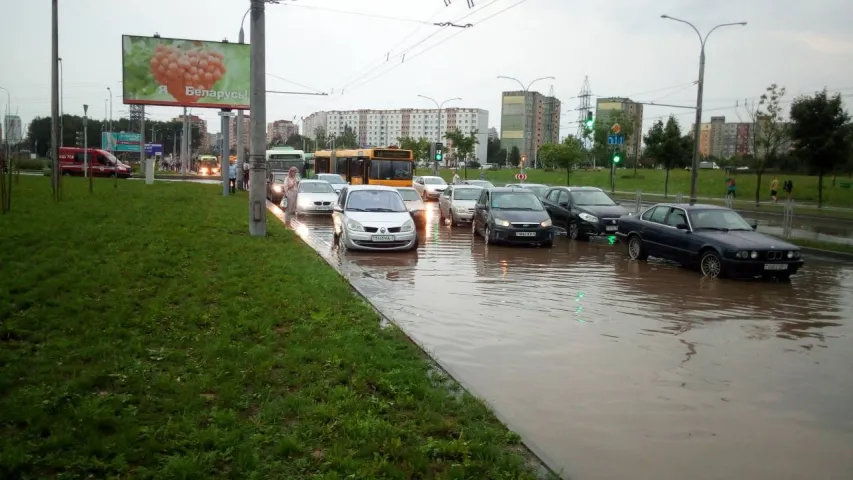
589	120
617	157
79	138
439	152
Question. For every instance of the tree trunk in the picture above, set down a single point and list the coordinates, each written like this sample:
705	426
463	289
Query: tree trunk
758	188
569	176
820	188
666	185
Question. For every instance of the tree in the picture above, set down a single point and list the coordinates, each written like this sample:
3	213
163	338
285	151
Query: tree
562	155
419	147
297	141
320	137
514	156
668	147
820	130
493	149
768	132
347	139
464	144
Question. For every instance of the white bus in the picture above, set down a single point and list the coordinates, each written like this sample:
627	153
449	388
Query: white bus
280	159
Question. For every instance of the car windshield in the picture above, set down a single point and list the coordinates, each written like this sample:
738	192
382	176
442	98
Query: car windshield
434	181
516	201
718	219
332	178
409	194
375	201
466	193
279	179
315	187
592	198
538	190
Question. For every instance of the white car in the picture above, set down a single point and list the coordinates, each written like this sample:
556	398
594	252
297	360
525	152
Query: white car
373	217
315	196
414	203
336	180
429	187
457	203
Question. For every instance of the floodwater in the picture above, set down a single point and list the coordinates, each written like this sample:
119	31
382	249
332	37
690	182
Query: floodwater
613	369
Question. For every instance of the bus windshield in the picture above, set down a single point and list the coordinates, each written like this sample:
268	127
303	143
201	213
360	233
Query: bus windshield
391	169
284	156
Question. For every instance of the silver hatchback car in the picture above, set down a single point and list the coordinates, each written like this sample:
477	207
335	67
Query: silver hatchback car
457	203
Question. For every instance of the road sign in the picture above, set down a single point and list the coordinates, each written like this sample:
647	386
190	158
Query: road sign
615	140
521	176
616	129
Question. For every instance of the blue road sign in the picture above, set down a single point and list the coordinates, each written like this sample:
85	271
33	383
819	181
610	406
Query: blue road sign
615	140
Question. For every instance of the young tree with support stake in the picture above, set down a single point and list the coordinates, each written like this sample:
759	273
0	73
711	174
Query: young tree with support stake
768	132
667	146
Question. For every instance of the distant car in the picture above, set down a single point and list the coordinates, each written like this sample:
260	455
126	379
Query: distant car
315	197
478	183
428	187
715	239
457	203
275	186
373	217
334	179
512	215
414	203
583	211
538	188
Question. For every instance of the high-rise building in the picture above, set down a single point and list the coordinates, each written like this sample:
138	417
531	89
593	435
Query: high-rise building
232	132
529	120
721	139
14	129
609	111
380	128
281	129
493	133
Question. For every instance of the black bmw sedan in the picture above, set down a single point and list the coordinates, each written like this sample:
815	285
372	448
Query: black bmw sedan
715	239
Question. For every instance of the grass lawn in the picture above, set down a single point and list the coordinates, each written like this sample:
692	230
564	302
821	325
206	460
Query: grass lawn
144	334
712	183
832	247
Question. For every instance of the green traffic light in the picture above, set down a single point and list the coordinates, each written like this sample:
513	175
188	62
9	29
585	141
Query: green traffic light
616	159
438	156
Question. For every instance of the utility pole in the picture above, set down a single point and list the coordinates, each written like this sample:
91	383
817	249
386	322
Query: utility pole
87	165
141	140
184	162
54	102
225	158
240	146
258	107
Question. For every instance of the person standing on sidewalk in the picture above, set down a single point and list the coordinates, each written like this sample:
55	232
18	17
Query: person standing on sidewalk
245	175
774	189
291	189
232	178
732	188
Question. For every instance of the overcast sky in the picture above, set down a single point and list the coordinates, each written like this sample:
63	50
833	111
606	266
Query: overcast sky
624	47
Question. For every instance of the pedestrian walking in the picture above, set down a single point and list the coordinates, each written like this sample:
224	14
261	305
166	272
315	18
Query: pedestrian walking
482	175
232	178
245	176
291	190
774	189
731	191
456	178
788	187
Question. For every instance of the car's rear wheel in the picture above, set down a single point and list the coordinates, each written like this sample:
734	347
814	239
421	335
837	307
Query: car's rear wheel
710	264
573	231
635	248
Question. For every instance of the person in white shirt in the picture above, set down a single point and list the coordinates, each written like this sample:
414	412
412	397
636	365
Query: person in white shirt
456	178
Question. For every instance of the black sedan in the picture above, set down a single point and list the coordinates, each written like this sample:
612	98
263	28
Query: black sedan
716	239
583	211
512	215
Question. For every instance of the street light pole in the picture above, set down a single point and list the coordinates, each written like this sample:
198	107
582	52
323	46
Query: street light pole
61	107
694	170
525	90
439	106
111	120
258	107
240	146
54	100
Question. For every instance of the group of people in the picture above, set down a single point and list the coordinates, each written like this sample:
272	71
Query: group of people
787	187
232	177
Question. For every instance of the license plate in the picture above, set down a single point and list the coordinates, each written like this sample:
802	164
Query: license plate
611	228
322	208
525	234
775	266
382	238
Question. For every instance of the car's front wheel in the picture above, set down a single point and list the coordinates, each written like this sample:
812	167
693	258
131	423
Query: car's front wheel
710	264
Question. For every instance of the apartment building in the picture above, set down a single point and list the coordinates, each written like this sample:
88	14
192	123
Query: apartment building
620	109
282	129
493	133
528	121
379	128
722	139
232	131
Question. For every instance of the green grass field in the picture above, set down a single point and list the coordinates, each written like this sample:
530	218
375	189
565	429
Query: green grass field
711	185
144	334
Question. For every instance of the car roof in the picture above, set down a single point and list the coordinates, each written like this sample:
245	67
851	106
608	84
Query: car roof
581	189
311	180
509	190
371	187
328	174
405	188
687	206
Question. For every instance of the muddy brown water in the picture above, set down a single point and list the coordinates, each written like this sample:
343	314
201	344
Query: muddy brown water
613	369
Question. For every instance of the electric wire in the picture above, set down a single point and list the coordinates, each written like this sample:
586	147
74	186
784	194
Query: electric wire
294	83
361	14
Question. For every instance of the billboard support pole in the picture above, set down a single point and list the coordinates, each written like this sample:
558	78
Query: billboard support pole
141	139
184	159
258	107
54	102
240	146
225	151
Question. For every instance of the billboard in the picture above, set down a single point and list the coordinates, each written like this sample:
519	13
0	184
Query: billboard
120	141
185	73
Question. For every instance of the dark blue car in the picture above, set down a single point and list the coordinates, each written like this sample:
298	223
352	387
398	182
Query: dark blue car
715	239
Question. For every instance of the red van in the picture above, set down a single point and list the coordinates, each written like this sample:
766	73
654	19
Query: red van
101	163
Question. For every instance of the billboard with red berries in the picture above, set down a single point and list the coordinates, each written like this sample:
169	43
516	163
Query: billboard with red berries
185	73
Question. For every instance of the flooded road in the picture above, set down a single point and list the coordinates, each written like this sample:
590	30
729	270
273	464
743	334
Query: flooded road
612	369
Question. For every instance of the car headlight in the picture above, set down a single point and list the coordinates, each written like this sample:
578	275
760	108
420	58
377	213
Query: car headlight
588	218
753	254
742	254
501	223
791	254
276	188
546	223
354	226
408	226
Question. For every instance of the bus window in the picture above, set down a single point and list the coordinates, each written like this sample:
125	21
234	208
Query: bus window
357	167
391	169
321	165
342	166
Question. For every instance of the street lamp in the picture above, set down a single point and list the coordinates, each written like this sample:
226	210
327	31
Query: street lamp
61	113
8	162
439	106
110	139
525	90
694	171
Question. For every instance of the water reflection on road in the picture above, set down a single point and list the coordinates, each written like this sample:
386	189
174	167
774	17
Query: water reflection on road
615	369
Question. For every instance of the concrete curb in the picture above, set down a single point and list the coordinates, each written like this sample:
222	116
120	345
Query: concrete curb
534	454
819	252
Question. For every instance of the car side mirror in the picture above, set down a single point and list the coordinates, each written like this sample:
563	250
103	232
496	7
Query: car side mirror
682	226
564	204
338	208
755	226
618	203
